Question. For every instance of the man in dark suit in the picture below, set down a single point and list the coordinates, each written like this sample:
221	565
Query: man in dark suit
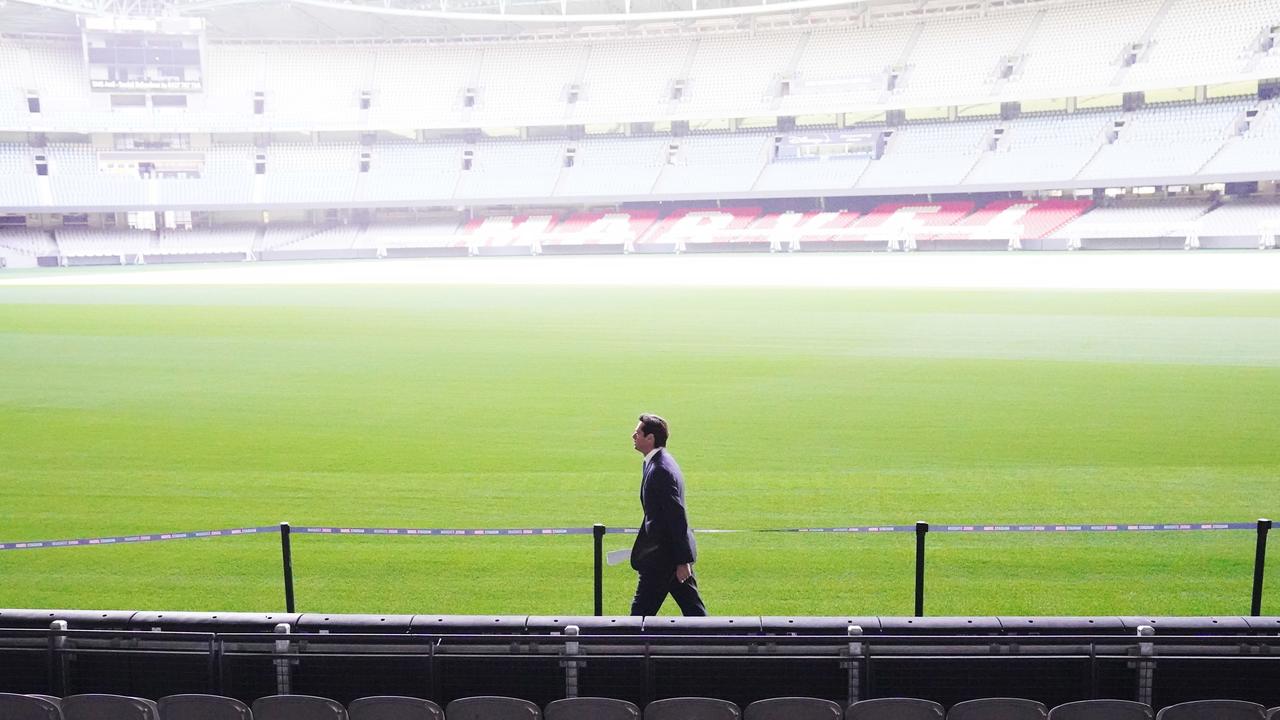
664	550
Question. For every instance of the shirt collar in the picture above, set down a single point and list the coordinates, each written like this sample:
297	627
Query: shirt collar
649	456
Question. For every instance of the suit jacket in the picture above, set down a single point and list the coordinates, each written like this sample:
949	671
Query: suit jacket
665	539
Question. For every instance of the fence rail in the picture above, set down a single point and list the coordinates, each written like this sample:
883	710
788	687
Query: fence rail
598	531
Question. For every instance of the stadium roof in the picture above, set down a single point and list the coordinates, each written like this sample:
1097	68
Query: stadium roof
409	19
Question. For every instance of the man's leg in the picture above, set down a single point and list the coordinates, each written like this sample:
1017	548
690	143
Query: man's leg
651	590
687	597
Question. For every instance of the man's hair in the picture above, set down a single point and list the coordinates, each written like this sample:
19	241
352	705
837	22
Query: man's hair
655	426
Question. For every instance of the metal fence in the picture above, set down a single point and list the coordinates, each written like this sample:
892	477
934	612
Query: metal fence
598	532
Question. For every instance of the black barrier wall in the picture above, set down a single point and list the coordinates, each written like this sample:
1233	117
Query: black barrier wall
1055	660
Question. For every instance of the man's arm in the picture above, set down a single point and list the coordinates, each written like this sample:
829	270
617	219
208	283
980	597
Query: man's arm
666	503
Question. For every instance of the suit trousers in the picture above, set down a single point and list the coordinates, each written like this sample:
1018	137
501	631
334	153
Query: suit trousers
652	590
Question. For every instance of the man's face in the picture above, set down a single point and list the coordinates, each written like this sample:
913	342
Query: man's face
642	442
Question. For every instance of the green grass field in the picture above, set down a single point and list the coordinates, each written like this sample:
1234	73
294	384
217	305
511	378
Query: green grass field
156	409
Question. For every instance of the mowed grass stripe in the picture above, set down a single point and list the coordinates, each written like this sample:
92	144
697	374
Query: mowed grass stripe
148	410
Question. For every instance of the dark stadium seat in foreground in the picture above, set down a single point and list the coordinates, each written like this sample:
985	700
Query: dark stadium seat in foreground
591	708
298	707
394	707
203	707
894	709
28	707
1102	710
792	708
691	708
492	707
998	709
1213	710
108	707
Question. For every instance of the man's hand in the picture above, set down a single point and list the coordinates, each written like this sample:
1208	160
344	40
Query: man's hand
684	572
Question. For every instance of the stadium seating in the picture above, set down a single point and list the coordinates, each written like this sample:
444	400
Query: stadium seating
957	57
620	229
297	236
731	69
1101	710
894	709
998	709
17	168
77	180
28	707
697	226
623	79
1010	224
202	707
499	233
393	707
940	154
1257	149
1183	143
380	707
1087	37
1213	710
955	63
1127	221
691	708
793	708
1241	218
235	239
410	172
84	242
897	225
1165	142
29	243
704	164
108	707
607	167
1043	149
511	170
306	173
797	231
492	708
1000	224
441	233
226	178
297	707
836	71
1207	40
591	708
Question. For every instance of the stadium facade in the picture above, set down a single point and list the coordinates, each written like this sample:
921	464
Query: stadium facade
134	132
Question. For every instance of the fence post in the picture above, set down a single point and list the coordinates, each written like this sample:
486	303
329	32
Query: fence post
287	552
1259	565
571	663
922	528
58	665
284	675
854	661
1146	664
597	531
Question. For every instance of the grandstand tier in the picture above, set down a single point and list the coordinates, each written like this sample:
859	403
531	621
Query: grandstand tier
878	57
1013	224
1170	145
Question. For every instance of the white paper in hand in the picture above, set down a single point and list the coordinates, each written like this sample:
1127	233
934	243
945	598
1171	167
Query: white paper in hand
618	556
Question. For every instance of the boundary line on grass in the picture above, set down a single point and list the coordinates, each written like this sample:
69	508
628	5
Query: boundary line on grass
541	531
